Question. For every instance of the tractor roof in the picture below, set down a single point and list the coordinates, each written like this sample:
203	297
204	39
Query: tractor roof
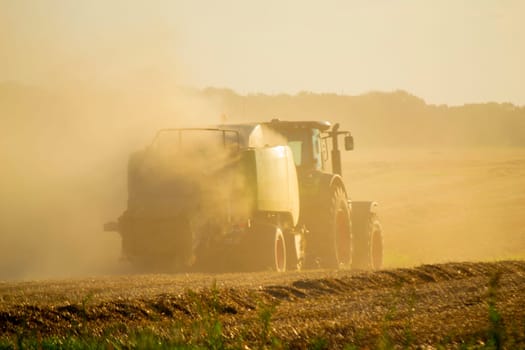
321	125
258	135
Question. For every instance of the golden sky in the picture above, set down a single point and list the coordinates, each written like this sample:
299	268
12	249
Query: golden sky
446	51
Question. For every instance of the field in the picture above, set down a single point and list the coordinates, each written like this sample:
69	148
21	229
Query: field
454	275
444	204
470	305
433	94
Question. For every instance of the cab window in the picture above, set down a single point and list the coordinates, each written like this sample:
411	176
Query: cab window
316	149
306	148
297	151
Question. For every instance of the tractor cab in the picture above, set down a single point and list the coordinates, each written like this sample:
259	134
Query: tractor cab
308	142
304	139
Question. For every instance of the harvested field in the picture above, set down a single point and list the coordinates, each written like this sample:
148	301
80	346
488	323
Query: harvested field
450	305
444	205
433	94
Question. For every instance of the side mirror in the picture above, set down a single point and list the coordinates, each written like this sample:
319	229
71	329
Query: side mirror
349	142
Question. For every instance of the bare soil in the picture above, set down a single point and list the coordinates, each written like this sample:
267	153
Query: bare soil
430	305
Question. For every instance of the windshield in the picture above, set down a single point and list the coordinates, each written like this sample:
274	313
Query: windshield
297	147
305	146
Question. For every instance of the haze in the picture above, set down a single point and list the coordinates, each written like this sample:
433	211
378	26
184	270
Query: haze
447	52
83	84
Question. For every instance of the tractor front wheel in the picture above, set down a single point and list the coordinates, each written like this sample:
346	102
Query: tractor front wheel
376	246
368	238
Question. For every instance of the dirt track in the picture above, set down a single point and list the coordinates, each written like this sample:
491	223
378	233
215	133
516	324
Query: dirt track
444	304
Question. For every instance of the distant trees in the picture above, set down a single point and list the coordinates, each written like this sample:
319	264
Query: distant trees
390	119
377	119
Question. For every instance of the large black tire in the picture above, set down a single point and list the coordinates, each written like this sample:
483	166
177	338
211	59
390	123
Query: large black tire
329	243
376	246
368	238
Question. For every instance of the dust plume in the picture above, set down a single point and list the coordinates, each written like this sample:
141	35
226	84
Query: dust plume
182	192
64	157
72	108
82	86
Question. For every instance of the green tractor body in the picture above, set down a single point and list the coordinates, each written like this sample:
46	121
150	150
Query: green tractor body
242	197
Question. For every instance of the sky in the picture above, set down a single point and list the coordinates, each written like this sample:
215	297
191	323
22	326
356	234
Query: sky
446	52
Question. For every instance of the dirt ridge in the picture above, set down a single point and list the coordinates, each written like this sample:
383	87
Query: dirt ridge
157	306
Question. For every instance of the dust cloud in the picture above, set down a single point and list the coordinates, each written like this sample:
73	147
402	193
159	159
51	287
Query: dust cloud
73	106
195	174
82	104
64	157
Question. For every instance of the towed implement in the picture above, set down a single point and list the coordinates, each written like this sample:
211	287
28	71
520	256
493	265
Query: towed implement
246	197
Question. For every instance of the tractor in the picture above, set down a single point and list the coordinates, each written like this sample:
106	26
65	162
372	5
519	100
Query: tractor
246	197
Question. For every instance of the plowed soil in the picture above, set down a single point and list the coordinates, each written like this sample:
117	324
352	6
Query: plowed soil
450	304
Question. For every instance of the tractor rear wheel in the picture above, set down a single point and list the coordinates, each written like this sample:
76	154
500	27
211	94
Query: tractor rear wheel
330	243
